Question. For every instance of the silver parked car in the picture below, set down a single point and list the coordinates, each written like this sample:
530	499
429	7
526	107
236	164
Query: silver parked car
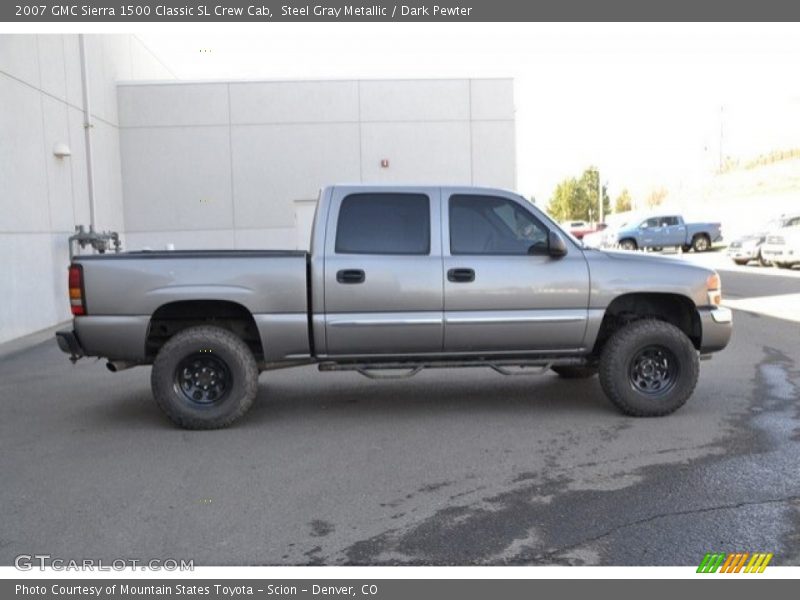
399	278
782	246
750	247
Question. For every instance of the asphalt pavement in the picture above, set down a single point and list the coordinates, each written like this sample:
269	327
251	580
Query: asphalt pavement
450	467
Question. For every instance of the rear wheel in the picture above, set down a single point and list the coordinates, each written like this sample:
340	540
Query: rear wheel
741	262
701	243
783	265
649	368
204	378
575	372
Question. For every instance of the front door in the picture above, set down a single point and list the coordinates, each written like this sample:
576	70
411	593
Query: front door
503	292
383	273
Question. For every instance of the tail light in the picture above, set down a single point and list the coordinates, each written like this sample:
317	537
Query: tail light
77	299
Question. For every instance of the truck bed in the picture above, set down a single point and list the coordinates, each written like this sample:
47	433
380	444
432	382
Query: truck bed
140	254
128	291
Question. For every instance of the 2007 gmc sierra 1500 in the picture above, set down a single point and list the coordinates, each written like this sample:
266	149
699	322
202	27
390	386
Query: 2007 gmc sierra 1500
399	278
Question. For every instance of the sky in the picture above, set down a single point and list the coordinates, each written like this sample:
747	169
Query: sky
649	104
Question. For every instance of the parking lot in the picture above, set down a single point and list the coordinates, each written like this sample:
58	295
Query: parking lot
450	467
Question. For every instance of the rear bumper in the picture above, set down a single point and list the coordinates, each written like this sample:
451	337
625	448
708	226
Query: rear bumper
780	254
717	326
69	344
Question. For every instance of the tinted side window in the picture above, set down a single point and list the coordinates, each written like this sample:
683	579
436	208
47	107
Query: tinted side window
384	223
669	221
493	225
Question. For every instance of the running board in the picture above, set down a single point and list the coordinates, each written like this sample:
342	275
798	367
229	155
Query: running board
507	367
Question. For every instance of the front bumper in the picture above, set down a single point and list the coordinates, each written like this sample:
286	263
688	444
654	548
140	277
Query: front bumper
747	253
68	343
717	326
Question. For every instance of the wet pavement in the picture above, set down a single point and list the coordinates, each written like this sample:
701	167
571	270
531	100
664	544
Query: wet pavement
450	467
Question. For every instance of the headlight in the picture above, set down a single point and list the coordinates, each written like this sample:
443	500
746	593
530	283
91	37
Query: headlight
714	288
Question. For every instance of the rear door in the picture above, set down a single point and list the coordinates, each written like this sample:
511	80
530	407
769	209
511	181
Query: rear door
503	293
383	272
674	231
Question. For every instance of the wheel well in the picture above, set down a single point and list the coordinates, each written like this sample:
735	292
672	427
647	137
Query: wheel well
629	239
672	308
173	317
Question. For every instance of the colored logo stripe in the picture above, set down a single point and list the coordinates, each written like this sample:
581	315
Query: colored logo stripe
711	562
734	562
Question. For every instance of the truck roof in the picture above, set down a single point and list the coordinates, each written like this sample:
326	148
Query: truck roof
408	186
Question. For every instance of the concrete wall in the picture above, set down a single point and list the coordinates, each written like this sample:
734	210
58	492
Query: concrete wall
238	164
42	197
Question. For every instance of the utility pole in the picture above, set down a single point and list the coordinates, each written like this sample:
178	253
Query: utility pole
721	131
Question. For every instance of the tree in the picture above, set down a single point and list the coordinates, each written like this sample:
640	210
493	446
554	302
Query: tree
576	198
590	180
623	203
655	197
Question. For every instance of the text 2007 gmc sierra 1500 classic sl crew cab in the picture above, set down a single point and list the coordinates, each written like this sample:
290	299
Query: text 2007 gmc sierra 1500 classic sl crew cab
399	278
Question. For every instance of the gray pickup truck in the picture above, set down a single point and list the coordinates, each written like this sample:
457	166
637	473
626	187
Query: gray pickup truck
399	278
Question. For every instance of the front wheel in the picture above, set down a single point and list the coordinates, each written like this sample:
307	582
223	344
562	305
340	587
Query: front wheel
628	245
649	368
204	378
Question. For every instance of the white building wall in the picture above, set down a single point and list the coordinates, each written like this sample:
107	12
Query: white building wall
238	164
42	197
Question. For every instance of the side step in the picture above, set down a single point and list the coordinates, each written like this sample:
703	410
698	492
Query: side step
406	369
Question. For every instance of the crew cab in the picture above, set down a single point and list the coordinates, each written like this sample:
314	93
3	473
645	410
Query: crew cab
663	231
399	278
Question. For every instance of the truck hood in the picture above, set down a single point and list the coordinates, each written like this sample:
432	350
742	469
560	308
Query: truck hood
615	273
641	258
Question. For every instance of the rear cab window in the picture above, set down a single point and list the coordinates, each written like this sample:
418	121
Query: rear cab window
384	223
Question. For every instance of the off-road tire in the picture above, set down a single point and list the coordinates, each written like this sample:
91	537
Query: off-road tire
618	361
221	345
575	372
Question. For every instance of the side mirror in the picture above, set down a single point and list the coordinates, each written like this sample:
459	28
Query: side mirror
556	246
